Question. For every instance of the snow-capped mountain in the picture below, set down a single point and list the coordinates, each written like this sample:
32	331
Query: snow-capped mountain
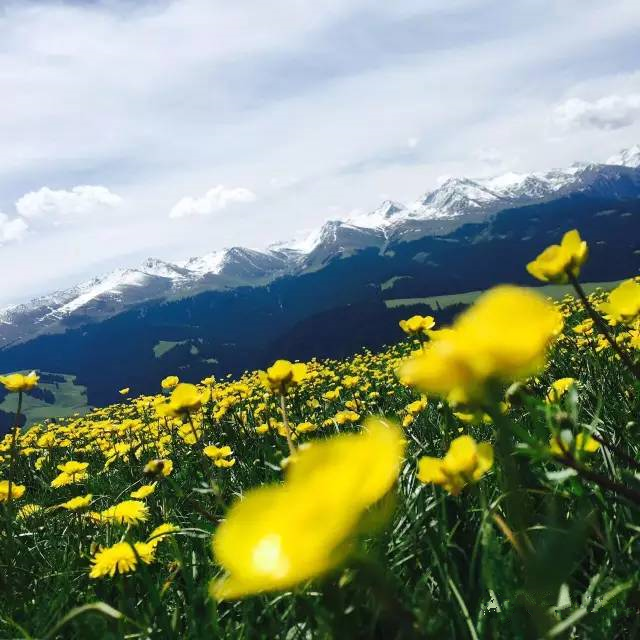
455	202
627	157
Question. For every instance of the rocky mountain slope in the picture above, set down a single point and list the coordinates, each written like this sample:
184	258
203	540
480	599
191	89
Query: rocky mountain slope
456	202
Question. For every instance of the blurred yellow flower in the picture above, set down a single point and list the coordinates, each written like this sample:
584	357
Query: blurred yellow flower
564	443
557	261
417	324
558	389
623	304
276	536
465	462
17	382
162	467
185	398
17	491
282	376
125	391
504	336
170	382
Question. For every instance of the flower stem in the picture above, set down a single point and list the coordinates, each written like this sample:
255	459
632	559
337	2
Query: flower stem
385	590
602	327
619	452
14	441
600	479
287	426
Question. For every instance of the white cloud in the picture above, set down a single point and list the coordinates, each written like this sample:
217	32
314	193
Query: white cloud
98	98
413	142
11	229
608	112
56	205
216	199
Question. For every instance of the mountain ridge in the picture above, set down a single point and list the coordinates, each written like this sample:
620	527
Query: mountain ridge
455	202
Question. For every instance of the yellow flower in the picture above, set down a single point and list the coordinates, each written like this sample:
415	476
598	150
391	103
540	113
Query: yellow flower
624	302
63	479
305	427
276	536
417	324
170	382
416	407
126	512
557	261
18	382
144	491
28	510
216	453
72	467
332	394
465	462
565	443
17	491
160	532
162	467
558	389
262	429
504	336
78	503
282	376
122	557
185	398
346	417
224	463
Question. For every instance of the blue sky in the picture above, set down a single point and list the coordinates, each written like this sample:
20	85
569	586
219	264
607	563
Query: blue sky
173	128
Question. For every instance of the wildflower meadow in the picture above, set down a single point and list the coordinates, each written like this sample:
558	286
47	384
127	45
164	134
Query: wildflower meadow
478	480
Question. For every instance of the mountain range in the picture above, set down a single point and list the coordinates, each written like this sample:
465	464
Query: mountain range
341	289
457	201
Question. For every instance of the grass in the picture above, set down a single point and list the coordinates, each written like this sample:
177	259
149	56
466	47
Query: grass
537	548
555	291
164	346
70	398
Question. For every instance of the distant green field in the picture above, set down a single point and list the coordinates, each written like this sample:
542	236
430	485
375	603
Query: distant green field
555	291
70	398
164	346
389	283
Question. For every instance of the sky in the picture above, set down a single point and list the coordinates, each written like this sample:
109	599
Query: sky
172	128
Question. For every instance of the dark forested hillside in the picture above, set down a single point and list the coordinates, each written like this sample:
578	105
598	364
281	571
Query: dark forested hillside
333	311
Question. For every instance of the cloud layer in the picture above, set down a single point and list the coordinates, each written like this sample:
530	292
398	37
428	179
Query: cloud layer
607	112
215	200
56	206
12	229
319	107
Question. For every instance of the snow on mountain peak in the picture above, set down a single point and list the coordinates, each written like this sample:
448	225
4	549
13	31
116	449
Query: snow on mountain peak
459	195
162	269
112	284
387	213
454	198
208	263
627	157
